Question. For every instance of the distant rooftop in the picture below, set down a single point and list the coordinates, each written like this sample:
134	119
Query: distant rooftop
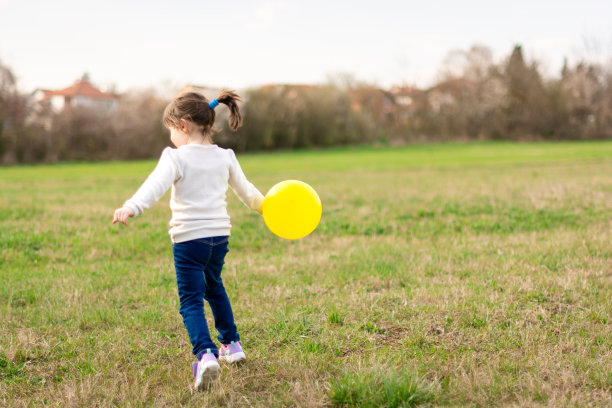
81	88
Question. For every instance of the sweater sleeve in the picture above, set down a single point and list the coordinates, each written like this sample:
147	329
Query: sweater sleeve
245	190
158	182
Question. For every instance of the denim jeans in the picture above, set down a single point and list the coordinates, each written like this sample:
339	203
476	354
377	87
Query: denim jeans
198	265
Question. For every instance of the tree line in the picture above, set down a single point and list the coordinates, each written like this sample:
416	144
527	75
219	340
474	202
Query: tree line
475	98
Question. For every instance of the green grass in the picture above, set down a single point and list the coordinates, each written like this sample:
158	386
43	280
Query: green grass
440	275
375	390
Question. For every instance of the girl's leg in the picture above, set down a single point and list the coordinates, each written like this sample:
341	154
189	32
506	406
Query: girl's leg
215	293
190	260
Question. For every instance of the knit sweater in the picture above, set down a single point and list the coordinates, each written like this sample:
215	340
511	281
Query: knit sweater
199	176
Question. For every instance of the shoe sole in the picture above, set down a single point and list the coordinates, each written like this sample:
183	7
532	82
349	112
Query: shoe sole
233	358
209	376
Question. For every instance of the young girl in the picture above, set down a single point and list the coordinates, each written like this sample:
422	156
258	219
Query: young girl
199	173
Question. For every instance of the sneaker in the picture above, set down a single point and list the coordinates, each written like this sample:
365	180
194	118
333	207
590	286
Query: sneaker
206	371
232	353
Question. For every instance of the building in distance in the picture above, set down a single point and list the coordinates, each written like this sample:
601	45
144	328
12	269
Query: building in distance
81	94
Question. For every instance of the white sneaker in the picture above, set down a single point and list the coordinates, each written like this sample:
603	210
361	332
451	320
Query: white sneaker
206	371
232	353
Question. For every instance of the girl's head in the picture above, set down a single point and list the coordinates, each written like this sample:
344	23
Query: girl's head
191	111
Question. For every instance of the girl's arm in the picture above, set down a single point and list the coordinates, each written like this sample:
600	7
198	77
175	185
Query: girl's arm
244	189
154	187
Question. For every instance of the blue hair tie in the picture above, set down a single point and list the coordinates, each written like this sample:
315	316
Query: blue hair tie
213	104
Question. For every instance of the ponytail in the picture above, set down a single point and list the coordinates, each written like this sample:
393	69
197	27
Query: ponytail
230	99
196	108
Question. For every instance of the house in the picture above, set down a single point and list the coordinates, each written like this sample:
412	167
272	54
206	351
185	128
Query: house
379	103
449	92
407	97
80	94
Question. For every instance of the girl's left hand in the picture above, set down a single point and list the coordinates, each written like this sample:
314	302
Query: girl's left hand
122	214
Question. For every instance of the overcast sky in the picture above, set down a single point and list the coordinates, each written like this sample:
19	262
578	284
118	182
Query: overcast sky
241	43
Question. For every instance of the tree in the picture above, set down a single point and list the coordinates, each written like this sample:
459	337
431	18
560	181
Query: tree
588	103
473	91
14	143
297	116
525	98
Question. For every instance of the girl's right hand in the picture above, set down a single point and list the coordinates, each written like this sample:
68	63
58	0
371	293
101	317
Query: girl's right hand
122	214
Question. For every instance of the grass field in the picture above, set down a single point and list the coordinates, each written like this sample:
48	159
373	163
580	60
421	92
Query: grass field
440	275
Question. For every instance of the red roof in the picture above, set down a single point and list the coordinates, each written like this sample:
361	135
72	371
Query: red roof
81	88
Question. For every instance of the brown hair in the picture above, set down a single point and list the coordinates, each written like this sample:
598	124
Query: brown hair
194	107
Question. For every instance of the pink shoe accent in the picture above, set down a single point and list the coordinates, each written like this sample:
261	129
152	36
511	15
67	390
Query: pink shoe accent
206	371
232	353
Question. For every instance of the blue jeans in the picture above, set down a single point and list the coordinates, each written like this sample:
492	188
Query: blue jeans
198	265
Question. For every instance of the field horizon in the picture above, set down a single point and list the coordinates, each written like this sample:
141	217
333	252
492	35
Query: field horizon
458	274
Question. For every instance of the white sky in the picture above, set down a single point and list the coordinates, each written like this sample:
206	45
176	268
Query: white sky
241	43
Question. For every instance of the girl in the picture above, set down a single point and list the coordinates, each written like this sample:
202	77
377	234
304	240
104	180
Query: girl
199	173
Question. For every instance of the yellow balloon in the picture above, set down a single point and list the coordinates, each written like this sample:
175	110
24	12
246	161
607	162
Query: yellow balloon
292	209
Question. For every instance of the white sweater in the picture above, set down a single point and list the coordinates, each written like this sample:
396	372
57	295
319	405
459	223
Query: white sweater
199	176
